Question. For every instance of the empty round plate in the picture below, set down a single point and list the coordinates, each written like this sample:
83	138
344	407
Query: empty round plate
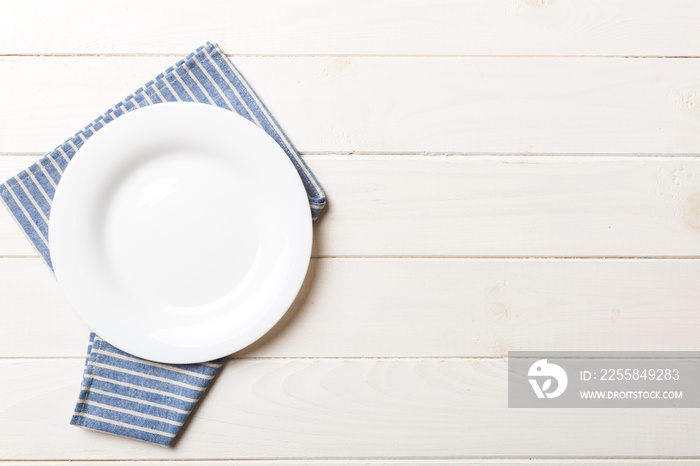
180	232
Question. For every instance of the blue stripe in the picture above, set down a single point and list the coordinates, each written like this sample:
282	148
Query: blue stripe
44	180
153	95
123	431
210	89
145	382
77	142
140	98
133	419
41	200
157	399
197	369
129	105
50	169
86	133
243	92
31	209
119	110
89	348
60	157
39	243
165	90
145	408
192	86
148	369
68	150
177	87
230	95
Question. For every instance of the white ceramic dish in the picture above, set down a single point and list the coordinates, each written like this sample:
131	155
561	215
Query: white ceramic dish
180	232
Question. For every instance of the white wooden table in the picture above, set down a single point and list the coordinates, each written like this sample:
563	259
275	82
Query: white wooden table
501	175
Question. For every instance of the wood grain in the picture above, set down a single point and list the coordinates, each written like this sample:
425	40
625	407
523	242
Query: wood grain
339	408
489	206
308	27
420	308
395	104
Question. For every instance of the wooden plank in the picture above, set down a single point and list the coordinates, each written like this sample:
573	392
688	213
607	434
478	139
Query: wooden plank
420	308
279	27
489	206
510	206
339	408
395	104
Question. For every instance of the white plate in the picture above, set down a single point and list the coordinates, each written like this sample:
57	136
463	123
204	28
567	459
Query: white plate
180	232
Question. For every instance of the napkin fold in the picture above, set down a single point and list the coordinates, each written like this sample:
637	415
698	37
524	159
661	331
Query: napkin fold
122	394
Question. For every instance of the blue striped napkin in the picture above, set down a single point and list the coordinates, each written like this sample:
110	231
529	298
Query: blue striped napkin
121	394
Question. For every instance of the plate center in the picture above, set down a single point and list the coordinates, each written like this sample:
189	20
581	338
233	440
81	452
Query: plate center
181	230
